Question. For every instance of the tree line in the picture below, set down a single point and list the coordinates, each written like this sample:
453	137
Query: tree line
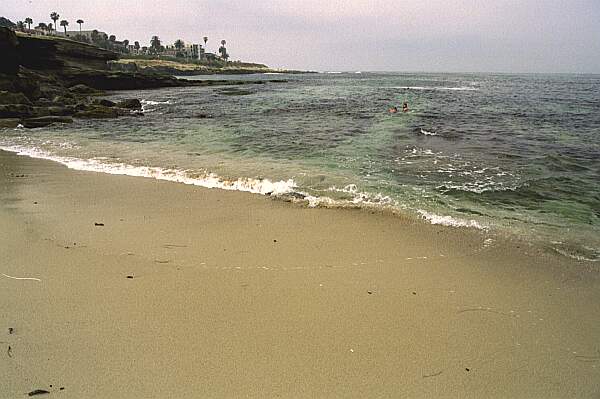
110	42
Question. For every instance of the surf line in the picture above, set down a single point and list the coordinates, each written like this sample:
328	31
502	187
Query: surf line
21	278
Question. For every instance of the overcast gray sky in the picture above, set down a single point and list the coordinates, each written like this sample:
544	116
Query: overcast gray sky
367	35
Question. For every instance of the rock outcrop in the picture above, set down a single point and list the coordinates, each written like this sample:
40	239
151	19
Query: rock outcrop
46	80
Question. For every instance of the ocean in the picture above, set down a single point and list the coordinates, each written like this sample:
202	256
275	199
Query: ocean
515	155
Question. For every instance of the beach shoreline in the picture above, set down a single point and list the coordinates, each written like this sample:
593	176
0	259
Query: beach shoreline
144	288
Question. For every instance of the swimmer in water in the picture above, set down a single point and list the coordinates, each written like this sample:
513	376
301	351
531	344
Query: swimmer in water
405	107
393	110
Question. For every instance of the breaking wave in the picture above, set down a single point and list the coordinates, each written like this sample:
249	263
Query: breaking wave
449	220
208	180
147	104
434	88
351	196
426	133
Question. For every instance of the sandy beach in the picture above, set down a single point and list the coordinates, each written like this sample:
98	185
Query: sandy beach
124	287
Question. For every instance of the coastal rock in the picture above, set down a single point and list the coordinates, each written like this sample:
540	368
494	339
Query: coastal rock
105	103
44	102
59	54
99	112
51	92
15	110
59	75
45	121
29	83
13	98
122	66
67	99
82	89
8	49
51	111
9	123
7	82
131	103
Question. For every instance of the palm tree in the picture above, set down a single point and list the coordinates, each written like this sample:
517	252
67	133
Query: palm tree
223	50
80	21
95	36
42	26
28	21
136	45
155	44
54	16
205	40
64	23
179	44
20	26
50	27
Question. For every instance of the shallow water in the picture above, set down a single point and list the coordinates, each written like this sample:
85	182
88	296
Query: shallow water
507	153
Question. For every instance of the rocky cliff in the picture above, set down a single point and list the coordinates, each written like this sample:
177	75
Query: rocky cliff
54	78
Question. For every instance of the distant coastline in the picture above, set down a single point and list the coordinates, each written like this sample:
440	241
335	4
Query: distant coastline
179	68
50	79
180	58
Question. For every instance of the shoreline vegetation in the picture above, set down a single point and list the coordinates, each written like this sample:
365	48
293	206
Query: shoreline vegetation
227	294
183	68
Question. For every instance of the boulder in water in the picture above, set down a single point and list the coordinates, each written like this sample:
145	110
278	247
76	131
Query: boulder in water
45	121
98	112
130	103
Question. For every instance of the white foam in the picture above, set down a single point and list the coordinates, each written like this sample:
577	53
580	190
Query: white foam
146	104
449	220
579	257
426	133
436	88
150	102
362	198
208	180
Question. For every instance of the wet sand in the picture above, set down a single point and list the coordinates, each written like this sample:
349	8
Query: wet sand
144	288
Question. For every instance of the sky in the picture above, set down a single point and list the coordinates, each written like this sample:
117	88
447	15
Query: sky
545	36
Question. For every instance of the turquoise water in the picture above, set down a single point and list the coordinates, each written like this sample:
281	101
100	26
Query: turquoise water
516	154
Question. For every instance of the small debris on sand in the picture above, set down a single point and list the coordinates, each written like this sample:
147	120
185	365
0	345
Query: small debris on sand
433	375
38	392
98	224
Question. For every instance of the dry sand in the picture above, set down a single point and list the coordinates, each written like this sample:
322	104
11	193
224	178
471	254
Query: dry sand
236	295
